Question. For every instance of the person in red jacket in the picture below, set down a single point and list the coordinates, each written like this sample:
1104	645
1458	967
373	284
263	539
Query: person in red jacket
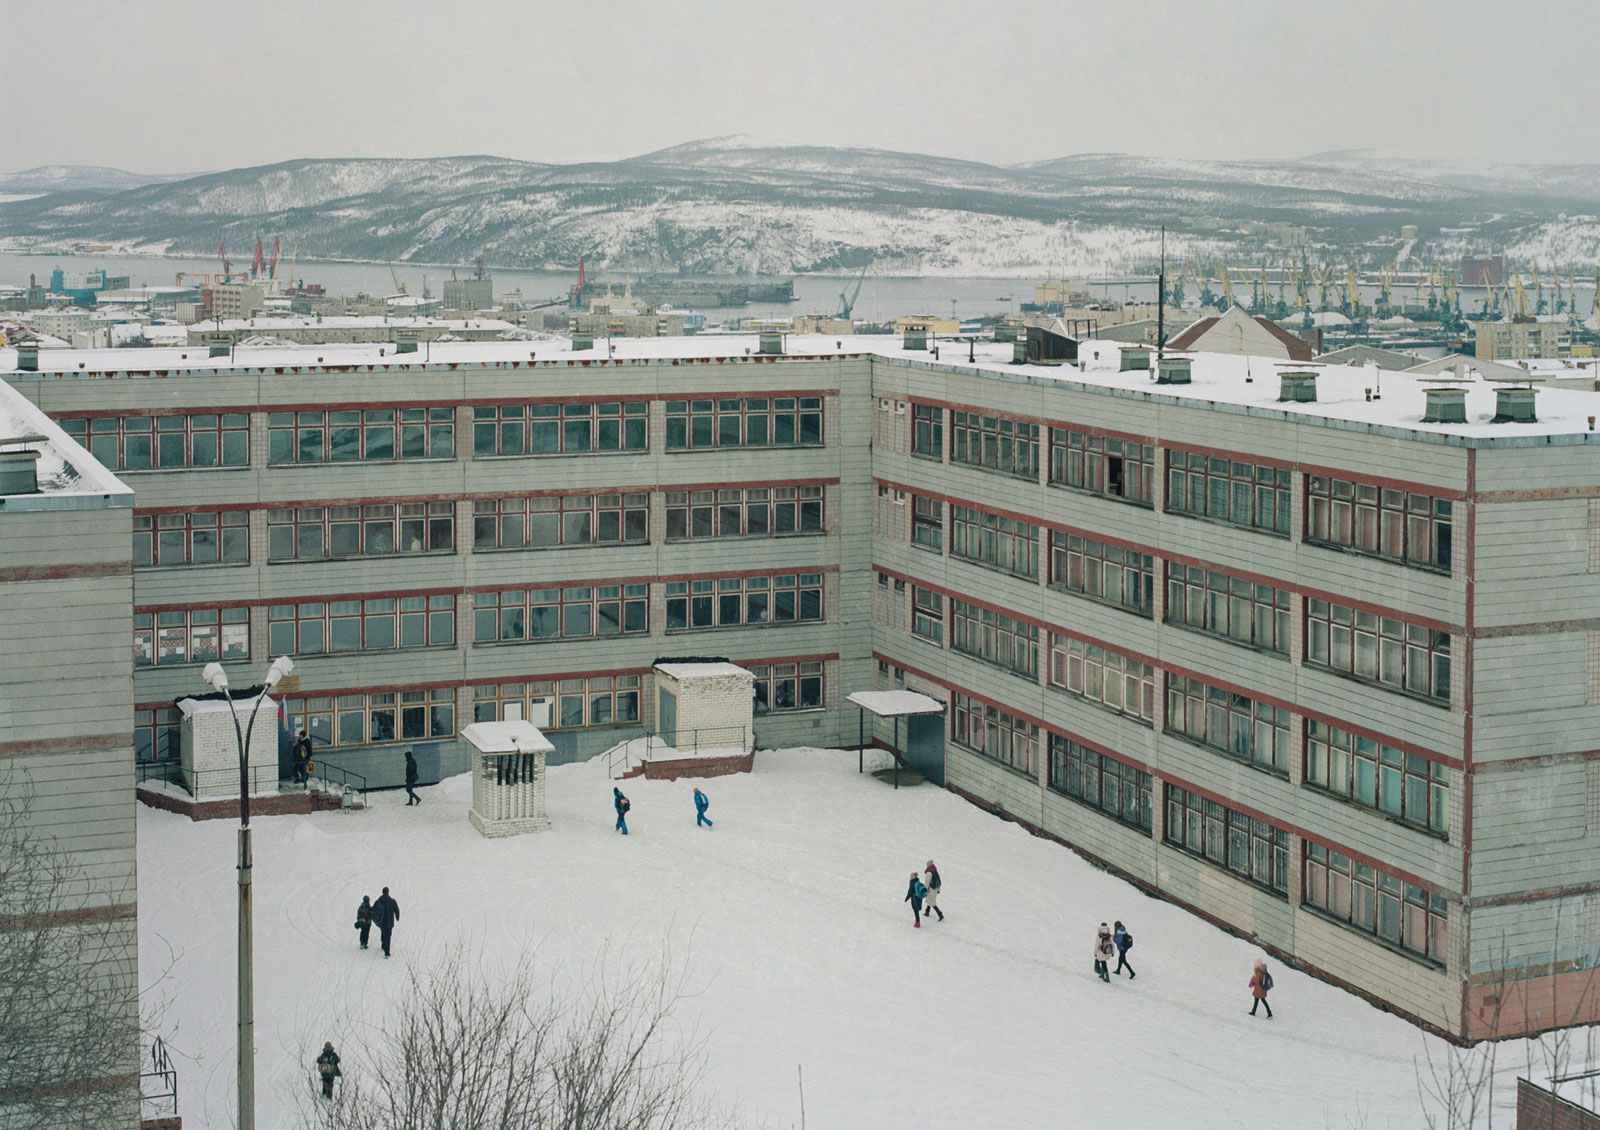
1260	986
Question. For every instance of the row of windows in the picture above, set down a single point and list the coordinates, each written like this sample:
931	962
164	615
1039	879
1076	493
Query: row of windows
1377	903
787	686
1112	467
1224	490
349	436
1124	577
1118	790
313	533
382	716
787	598
1379	777
784	421
577	613
1402	526
1250	848
1104	677
193	636
142	443
1233	723
380	624
548	521
603	700
560	429
1248	613
1007	643
927	523
191	539
1382	650
927	613
750	512
994	733
998	443
991	539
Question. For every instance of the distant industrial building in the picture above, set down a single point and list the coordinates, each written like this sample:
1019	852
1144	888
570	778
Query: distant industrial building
1522	337
348	329
237	300
469	294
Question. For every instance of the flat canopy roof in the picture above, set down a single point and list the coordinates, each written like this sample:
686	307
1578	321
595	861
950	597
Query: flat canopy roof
891	704
681	671
506	737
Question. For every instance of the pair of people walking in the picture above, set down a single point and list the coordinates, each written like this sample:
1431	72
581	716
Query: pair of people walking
622	805
1112	942
923	891
383	914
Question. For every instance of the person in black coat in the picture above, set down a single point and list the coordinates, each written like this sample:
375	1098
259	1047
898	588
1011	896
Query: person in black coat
1124	942
302	758
364	919
411	780
385	913
328	1068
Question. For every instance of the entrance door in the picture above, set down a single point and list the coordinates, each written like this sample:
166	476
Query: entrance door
924	749
667	716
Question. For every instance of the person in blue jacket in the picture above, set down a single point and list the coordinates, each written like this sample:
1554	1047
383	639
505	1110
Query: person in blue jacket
701	803
622	806
915	893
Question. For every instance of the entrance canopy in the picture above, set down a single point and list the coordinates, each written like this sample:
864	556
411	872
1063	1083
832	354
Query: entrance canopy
889	704
506	737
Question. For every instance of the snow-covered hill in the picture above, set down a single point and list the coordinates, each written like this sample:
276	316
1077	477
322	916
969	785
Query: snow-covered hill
79	178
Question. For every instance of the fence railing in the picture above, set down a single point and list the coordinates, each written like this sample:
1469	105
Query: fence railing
667	745
222	783
158	1087
341	781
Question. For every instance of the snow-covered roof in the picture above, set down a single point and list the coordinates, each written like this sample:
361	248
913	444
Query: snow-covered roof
68	476
1219	382
683	671
506	737
349	322
893	704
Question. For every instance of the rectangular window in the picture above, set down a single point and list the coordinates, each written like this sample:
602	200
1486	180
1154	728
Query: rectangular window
991	539
1115	468
784	421
195	635
787	686
1381	650
157	734
750	512
1374	902
927	523
1229	722
312	533
927	431
578	612
1250	848
1104	677
927	618
378	624
1372	775
561	429
786	598
1120	791
145	443
1379	521
548	521
1007	643
367	435
1236	609
381	716
994	733
191	539
1225	490
996	442
1123	577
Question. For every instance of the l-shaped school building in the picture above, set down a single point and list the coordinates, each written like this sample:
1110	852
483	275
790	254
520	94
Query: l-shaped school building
1303	650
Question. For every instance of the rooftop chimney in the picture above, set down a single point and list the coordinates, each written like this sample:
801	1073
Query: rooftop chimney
1514	406
771	342
582	340
915	339
405	342
19	472
1301	387
1445	406
220	349
1173	371
28	357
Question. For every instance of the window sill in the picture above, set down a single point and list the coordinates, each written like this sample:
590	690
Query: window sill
938	550
475	458
1139	612
1259	650
176	470
765	447
1210	521
558	639
1087	493
1147	723
1442	704
1384	943
1033	478
307	657
1334	547
362	557
536	548
1032	778
1178	735
691	539
192	565
926	455
740	627
1095	808
325	464
188	664
1350	802
1030	578
790	712
1230	872
1032	680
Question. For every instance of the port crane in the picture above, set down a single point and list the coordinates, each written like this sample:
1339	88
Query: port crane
400	287
847	303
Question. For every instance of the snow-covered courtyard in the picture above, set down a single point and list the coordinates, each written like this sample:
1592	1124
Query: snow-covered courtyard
788	917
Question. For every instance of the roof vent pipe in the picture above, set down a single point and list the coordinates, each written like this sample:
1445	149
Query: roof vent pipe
1301	387
1445	406
1514	406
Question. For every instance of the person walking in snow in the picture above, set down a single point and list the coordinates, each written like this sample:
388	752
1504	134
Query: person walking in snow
930	879
1124	942
364	919
1260	986
701	803
302	758
915	892
385	913
621	804
411	780
328	1068
1104	951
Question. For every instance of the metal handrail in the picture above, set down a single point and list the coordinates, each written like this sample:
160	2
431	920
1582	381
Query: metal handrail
161	1069
349	779
698	739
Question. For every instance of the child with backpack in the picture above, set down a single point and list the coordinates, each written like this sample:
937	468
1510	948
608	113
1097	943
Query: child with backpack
1124	942
931	880
620	803
1260	986
1103	951
915	893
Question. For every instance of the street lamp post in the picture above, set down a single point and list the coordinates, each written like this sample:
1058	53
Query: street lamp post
246	1063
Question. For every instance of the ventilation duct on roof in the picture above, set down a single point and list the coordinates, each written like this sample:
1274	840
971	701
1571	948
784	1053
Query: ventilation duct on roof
1445	406
1299	387
405	343
1134	359
1173	371
771	342
28	357
915	339
19	473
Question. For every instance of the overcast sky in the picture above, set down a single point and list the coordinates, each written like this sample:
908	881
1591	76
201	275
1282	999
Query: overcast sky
179	86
